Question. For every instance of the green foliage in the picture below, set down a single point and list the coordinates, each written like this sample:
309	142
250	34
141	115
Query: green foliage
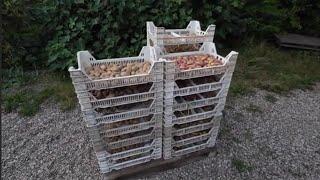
23	33
28	100
112	28
270	98
241	165
64	94
253	108
263	66
107	28
239	88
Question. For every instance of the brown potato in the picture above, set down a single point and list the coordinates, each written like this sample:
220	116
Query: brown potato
118	70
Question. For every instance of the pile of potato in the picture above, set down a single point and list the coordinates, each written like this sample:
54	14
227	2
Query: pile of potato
121	91
186	136
182	48
208	108
183	113
118	70
128	122
129	135
195	61
126	148
123	108
209	94
194	123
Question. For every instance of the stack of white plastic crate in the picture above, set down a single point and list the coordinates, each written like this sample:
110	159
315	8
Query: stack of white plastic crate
134	135
193	34
194	98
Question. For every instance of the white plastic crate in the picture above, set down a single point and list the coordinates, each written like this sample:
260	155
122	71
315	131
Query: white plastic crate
173	74
148	152
94	118
185	105
208	48
191	144
190	35
151	148
101	144
88	101
171	89
106	129
170	118
83	82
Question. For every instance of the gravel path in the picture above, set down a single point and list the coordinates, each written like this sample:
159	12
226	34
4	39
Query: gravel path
259	139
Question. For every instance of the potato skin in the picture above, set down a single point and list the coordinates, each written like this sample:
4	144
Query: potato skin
105	71
195	61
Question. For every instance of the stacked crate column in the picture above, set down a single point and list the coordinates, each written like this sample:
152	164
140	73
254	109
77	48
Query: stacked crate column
169	70
125	127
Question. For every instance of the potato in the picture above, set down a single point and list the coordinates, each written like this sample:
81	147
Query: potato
118	70
103	67
195	61
115	68
135	67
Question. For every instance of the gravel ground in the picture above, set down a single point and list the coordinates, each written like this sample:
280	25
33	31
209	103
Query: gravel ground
258	139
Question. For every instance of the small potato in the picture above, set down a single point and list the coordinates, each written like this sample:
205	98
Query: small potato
140	65
91	73
111	94
105	93
96	68
97	73
123	74
189	62
104	75
115	68
129	65
124	69
135	68
103	67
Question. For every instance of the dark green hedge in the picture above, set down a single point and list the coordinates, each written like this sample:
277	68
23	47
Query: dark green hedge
41	34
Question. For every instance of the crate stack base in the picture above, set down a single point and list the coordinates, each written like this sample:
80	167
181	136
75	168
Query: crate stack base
123	115
193	101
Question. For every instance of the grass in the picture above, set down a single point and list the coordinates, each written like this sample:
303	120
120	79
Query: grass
259	65
28	99
248	135
241	165
270	98
277	70
253	108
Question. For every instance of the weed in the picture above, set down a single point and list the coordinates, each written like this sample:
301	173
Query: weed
248	135
270	98
239	89
65	95
225	131
29	108
28	101
253	108
236	140
241	166
16	78
273	69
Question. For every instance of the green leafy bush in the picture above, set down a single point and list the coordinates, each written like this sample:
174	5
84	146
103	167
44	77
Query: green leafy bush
111	28
23	33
